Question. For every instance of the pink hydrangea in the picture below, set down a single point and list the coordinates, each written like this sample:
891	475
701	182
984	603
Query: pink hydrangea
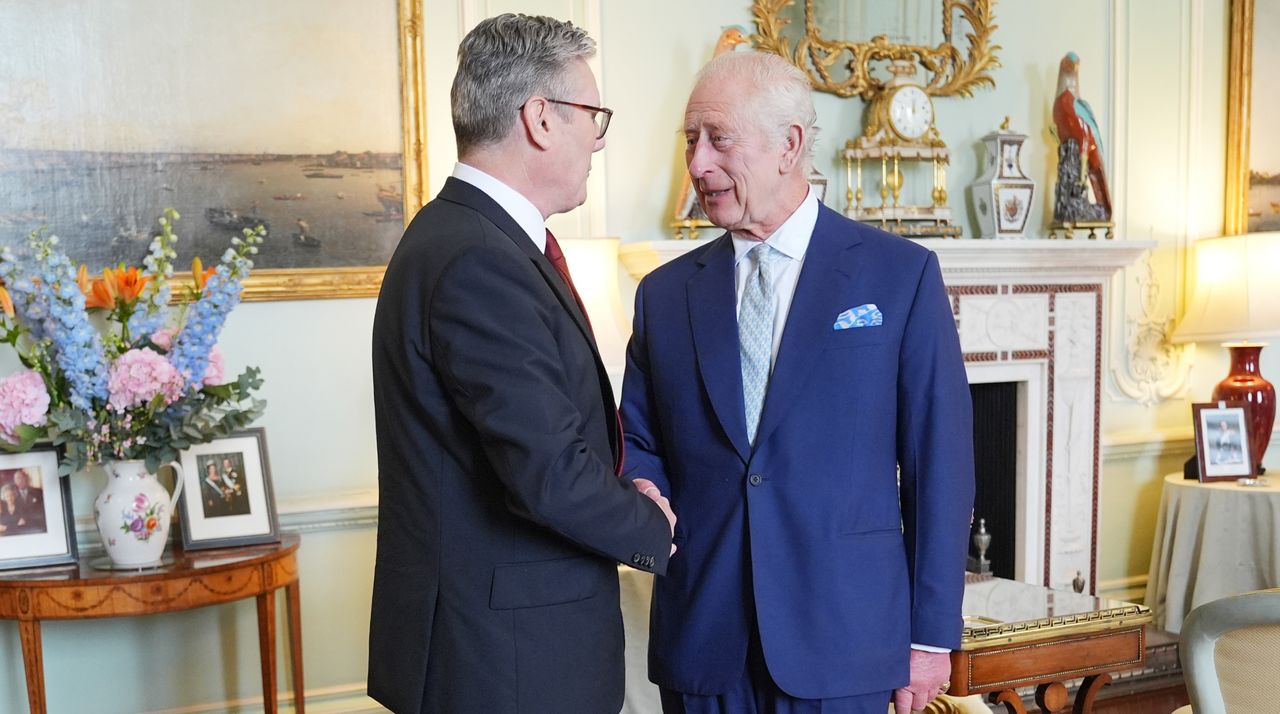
23	400
137	376
213	374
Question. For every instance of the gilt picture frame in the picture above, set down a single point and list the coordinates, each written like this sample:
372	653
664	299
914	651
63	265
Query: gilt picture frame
37	528
227	498
1252	198
308	118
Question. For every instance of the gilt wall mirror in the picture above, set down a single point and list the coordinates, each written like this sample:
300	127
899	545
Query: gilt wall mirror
845	46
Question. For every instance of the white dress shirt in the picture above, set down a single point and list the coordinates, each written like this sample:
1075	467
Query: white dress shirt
526	215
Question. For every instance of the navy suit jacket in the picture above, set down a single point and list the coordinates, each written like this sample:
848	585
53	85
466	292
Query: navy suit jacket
500	518
809	535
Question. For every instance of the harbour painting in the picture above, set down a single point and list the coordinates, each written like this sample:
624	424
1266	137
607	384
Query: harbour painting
281	113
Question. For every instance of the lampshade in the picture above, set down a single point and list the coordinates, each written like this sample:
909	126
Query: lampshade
1237	290
593	262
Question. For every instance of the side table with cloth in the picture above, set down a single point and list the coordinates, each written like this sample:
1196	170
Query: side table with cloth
1212	540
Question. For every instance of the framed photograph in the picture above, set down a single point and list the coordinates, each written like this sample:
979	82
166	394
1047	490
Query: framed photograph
226	493
304	117
36	525
1253	137
1222	440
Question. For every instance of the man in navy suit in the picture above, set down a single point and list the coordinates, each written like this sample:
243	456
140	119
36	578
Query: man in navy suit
796	388
501	517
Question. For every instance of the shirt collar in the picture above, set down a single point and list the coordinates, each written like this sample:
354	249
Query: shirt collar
792	237
521	209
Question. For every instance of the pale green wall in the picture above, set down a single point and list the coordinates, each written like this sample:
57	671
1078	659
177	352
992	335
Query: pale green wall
1166	59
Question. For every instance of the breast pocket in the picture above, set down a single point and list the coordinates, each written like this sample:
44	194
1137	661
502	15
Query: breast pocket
857	337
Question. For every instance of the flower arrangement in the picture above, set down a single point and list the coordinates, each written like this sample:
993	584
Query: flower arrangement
112	371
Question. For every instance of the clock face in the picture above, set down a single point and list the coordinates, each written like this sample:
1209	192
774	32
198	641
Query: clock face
910	112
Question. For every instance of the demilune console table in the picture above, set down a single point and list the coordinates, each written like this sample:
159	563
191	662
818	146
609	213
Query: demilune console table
194	579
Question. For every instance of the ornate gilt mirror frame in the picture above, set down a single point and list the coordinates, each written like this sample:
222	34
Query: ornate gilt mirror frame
951	72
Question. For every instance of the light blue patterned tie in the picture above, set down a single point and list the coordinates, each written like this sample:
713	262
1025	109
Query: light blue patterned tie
755	334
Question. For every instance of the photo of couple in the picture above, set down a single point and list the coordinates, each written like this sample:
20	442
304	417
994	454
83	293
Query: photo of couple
21	502
223	491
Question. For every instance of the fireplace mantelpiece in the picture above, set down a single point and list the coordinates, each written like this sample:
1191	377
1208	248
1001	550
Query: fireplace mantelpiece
1029	312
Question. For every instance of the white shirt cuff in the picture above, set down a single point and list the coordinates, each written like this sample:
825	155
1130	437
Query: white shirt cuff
929	648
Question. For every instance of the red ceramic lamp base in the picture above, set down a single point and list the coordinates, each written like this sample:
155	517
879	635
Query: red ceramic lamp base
1245	383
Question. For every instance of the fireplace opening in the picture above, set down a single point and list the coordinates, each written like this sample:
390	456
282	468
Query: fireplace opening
995	454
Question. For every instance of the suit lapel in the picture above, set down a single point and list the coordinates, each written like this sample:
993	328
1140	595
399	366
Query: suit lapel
829	267
472	197
463	193
713	319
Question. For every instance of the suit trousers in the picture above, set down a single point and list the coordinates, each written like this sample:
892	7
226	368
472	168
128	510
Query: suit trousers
757	693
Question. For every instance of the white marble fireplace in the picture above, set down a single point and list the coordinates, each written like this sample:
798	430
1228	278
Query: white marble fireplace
1029	313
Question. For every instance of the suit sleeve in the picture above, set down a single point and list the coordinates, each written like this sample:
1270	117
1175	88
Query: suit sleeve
491	341
935	454
639	418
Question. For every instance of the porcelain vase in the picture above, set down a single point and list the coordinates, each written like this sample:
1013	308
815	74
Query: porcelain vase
134	511
1002	195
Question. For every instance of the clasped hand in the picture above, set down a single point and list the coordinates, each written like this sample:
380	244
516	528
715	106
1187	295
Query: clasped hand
650	489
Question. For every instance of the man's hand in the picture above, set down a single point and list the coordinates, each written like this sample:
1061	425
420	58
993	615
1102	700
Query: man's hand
930	675
650	489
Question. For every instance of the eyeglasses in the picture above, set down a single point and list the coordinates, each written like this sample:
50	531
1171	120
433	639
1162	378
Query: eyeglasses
599	115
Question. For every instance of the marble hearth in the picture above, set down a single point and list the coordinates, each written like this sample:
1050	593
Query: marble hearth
1029	313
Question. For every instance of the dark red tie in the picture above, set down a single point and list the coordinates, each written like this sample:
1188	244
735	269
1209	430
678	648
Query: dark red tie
556	256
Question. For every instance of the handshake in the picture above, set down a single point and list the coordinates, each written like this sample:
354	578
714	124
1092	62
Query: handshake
650	489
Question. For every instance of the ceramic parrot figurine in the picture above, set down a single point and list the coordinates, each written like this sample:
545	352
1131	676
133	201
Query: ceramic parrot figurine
1074	119
687	201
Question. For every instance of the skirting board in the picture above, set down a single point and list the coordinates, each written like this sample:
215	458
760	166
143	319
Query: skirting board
341	699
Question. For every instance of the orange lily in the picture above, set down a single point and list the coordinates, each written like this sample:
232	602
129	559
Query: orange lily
199	274
116	285
129	282
6	300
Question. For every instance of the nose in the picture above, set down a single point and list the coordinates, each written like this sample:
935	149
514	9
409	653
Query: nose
698	158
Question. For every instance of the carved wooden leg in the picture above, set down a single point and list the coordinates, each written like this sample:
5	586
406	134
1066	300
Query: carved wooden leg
1051	697
295	644
267	648
1088	690
1011	701
33	662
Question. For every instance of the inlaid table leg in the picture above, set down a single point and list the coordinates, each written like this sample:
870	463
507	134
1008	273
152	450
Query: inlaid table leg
294	609
1011	701
33	662
267	648
1088	690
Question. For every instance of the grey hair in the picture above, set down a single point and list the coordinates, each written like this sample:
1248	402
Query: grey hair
782	96
7	488
502	62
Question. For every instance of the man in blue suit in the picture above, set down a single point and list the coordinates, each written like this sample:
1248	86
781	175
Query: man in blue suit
796	388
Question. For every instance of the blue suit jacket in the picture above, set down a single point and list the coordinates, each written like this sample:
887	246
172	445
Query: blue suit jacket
846	568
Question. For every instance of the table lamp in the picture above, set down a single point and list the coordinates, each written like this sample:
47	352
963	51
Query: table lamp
593	262
1236	301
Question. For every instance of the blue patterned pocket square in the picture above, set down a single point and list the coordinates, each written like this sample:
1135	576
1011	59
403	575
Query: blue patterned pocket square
861	316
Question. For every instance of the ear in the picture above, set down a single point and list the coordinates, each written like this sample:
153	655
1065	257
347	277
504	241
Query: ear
792	149
536	123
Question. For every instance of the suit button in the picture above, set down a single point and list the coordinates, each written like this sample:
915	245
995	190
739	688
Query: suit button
756	479
635	558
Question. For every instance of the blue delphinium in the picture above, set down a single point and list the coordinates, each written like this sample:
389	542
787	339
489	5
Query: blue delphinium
190	355
150	313
76	346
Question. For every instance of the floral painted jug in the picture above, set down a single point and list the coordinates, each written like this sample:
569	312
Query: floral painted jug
133	513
